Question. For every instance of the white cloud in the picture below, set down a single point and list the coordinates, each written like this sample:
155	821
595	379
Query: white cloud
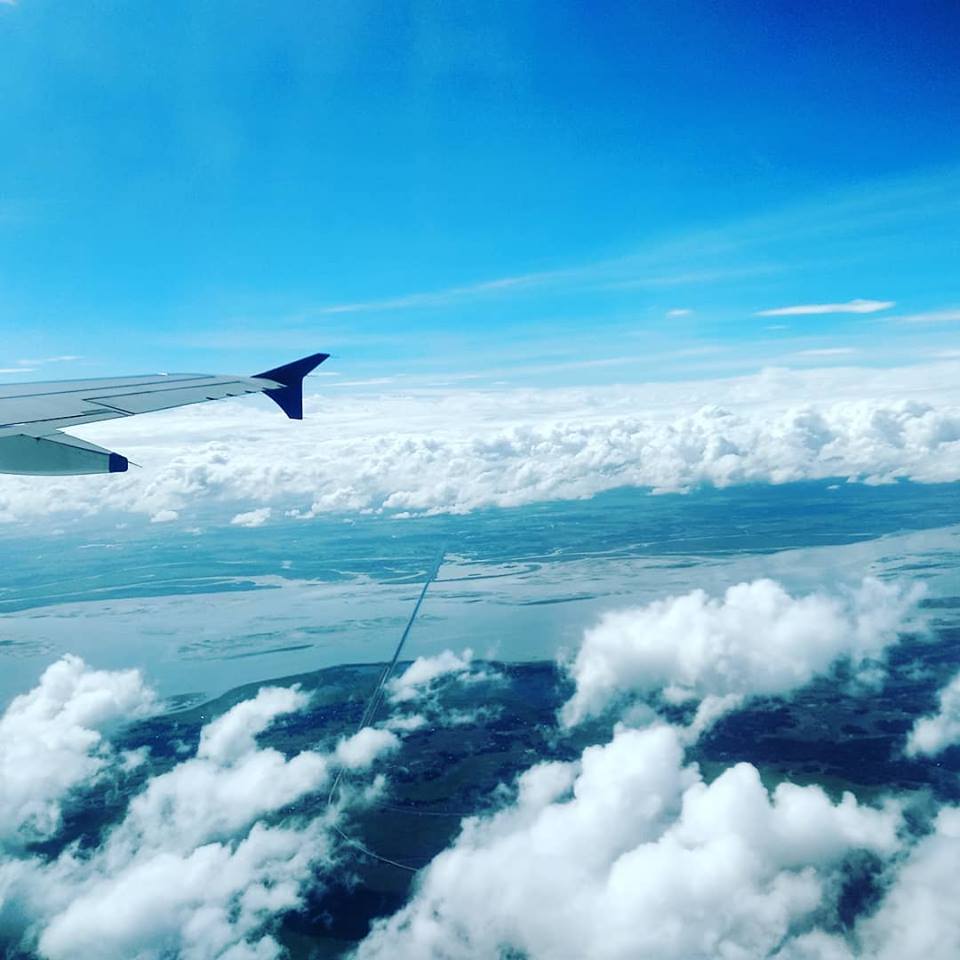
365	746
932	735
421	688
209	902
815	945
756	640
625	852
415	682
369	382
52	741
234	734
918	917
679	312
406	723
460	450
254	518
826	352
198	865
437	298
164	516
39	362
810	309
629	853
932	316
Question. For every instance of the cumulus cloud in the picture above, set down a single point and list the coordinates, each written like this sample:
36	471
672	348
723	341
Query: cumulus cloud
202	859
916	917
209	902
365	746
253	518
52	740
932	735
629	852
418	679
756	640
422	687
405	723
455	451
812	309
228	784
234	734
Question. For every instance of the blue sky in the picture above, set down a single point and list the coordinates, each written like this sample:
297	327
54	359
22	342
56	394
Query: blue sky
453	193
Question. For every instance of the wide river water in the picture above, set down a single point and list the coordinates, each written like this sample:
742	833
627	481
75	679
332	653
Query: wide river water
203	609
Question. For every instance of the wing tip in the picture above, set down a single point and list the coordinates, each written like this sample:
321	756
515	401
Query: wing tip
289	396
292	373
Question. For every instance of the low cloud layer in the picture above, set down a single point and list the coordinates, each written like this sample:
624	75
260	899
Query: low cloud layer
757	640
932	735
418	693
200	863
455	451
629	852
917	916
52	740
419	680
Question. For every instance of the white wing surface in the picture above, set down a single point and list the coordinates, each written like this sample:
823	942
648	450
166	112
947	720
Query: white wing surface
33	415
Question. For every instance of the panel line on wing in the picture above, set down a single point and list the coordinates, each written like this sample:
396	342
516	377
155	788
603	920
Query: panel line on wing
82	386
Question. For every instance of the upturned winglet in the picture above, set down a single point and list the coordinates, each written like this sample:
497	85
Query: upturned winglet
288	396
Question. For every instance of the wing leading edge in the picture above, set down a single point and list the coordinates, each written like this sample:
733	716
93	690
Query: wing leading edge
33	415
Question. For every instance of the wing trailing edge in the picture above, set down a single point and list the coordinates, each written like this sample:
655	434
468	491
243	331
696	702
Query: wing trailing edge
57	455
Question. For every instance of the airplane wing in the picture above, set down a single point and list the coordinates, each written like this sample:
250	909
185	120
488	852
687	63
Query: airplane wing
32	415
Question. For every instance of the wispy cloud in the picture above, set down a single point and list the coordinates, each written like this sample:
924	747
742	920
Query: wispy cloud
703	256
369	382
933	316
761	245
640	361
810	309
632	272
439	298
674	274
40	361
826	352
30	365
